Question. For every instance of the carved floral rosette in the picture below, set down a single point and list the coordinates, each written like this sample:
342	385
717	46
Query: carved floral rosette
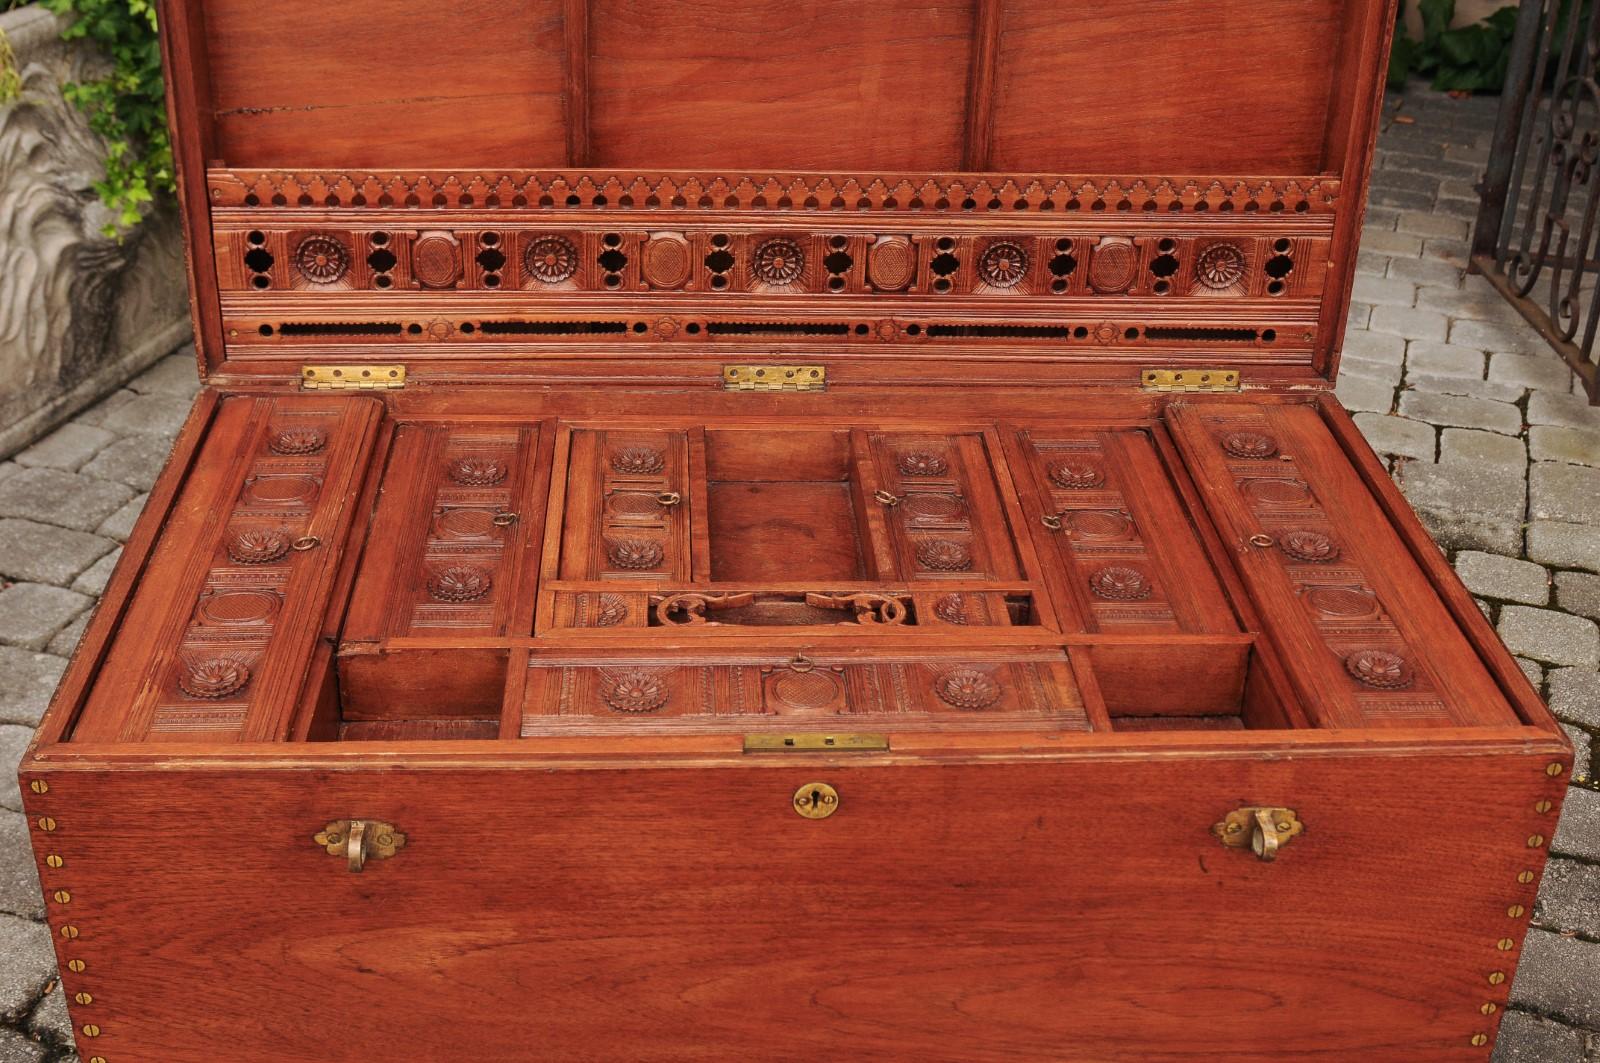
967	689
636	690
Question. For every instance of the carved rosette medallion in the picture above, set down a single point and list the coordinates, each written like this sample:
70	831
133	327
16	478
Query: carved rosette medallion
435	260
635	553
635	691
1342	601
477	471
952	609
1100	524
1278	492
1120	583
638	461
1113	265
944	555
934	507
665	260
1251	446
613	611
1310	546
322	259
215	677
923	463
1379	668
967	688
1220	267
240	608
1003	264
891	263
1077	474
778	262
459	583
258	546
298	441
550	259
804	691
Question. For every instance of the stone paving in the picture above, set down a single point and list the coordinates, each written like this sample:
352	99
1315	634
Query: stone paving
1480	422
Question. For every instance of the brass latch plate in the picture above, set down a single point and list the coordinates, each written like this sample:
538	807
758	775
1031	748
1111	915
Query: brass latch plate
816	743
774	377
1190	379
352	377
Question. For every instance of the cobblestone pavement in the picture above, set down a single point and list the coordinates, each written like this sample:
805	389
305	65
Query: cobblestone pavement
1480	421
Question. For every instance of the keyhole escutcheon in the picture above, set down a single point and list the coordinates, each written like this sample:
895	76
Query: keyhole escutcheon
816	800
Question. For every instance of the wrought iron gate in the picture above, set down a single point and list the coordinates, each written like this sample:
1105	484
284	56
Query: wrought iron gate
1537	237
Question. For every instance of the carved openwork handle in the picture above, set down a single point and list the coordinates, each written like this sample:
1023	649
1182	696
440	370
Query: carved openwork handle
358	840
1262	829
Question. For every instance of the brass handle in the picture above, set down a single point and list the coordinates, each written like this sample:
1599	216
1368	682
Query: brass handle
886	497
502	520
1261	539
358	840
669	498
1051	521
306	542
1260	828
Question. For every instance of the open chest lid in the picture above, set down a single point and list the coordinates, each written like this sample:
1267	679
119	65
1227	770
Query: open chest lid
599	192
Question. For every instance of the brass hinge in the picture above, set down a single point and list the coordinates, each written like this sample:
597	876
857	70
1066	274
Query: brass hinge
816	743
1190	379
774	378
351	377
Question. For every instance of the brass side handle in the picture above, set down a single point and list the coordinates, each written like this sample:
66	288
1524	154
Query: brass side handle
1260	828
358	840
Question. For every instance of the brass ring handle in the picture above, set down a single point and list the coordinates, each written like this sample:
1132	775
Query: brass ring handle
1051	521
359	840
1261	539
502	520
801	663
306	542
1263	829
886	498
356	846
1264	840
669	498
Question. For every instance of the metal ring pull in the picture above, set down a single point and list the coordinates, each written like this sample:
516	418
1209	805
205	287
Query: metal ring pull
502	520
801	663
306	542
1051	521
356	846
886	498
669	498
1261	539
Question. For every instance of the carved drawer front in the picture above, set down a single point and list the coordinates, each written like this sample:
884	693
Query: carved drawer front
627	506
217	639
941	507
780	690
446	552
1119	547
725	610
1369	640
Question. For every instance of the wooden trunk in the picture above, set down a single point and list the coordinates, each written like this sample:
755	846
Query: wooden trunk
751	532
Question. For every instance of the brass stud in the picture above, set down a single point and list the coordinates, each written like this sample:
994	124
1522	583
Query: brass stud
76	966
1535	840
70	933
1497	977
1505	944
1489	1008
54	861
1516	911
47	824
39	786
83	998
91	1030
97	1059
1542	806
1553	769
1524	877
62	896
1479	1040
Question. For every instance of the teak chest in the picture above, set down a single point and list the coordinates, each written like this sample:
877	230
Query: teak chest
782	530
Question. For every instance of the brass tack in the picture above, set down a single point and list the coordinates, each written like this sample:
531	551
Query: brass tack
54	861
46	823
1505	944
83	998
62	896
69	932
97	1059
1535	840
1524	877
39	786
1516	911
1497	977
1489	1008
1542	806
76	966
1553	769
91	1030
1480	1039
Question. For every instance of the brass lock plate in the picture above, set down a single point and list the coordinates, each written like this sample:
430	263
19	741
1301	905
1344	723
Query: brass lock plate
816	800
